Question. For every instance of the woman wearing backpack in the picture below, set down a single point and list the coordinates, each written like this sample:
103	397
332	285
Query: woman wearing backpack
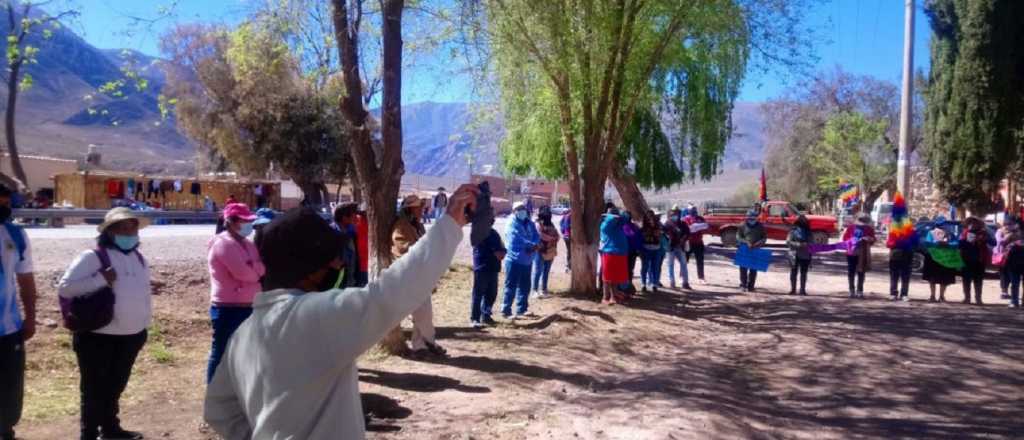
107	354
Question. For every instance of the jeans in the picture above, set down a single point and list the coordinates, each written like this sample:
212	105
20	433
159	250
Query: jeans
801	267
684	273
852	274
485	291
648	265
659	261
697	251
517	288
105	363
541	270
973	276
225	321
899	278
12	382
1015	277
748	278
1004	279
568	252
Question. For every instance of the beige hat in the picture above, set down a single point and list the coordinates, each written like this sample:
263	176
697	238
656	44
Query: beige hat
121	214
411	201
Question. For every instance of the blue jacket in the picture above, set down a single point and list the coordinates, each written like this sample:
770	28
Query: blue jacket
613	239
522	238
484	259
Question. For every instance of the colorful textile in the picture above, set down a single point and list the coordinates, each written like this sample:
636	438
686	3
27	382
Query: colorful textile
849	194
901	230
753	259
614	268
948	257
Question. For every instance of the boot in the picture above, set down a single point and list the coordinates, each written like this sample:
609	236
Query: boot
977	299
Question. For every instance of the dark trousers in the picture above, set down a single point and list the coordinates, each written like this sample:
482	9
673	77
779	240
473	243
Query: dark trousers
12	382
485	292
748	278
899	278
1015	277
853	275
633	256
225	321
698	253
568	252
973	275
105	363
801	267
517	288
1004	279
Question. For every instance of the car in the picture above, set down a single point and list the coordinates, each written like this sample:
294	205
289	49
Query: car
559	210
953	228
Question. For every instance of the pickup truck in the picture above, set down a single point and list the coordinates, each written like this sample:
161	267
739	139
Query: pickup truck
778	218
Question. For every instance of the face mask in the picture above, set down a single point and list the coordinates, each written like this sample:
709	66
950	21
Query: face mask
245	230
521	215
674	218
5	213
126	242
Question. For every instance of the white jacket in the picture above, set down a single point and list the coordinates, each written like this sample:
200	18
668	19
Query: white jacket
290	369
133	306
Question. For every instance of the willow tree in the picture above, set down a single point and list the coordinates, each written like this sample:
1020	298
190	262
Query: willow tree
975	113
574	75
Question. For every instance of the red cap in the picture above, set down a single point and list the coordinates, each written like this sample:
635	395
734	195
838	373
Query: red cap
239	211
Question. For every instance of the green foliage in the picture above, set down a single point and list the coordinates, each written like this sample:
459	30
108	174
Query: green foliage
975	116
646	146
853	149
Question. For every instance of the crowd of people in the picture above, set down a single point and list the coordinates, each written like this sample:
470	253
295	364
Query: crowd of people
281	281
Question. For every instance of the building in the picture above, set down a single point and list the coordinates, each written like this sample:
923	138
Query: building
39	170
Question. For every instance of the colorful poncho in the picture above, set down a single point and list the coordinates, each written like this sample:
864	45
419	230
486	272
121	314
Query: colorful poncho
901	230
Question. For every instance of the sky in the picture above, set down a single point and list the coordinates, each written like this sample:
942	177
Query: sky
860	36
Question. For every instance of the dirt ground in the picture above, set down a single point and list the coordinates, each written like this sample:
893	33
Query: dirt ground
710	364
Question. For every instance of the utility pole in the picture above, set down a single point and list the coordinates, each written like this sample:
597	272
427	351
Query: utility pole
906	103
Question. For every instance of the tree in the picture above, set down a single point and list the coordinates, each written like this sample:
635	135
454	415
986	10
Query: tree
854	149
27	24
975	113
242	93
574	75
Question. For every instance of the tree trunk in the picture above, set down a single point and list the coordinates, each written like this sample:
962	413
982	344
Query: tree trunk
632	198
587	210
12	144
380	169
312	193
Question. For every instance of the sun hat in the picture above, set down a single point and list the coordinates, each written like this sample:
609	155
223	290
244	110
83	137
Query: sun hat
264	216
411	201
119	215
518	205
239	211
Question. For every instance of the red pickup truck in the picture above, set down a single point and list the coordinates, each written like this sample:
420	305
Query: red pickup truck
778	218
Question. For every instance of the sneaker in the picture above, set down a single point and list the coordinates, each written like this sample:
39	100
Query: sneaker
672	285
476	324
643	289
905	299
506	316
1004	295
489	321
654	288
686	286
744	289
120	434
702	281
751	289
792	291
542	295
860	295
853	294
803	293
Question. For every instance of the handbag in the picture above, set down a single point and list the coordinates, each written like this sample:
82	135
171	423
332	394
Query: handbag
999	259
91	311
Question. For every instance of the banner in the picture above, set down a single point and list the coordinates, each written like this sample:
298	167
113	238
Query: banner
948	257
754	259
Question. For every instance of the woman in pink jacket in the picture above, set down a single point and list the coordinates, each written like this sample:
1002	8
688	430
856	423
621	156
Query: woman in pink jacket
235	273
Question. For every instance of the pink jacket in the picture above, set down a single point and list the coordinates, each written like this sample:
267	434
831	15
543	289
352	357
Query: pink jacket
235	270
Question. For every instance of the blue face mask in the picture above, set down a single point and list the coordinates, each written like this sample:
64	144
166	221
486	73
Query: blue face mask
522	215
674	218
245	230
126	242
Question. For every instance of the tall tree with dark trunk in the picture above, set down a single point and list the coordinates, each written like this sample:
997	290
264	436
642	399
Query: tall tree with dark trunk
24	21
378	165
975	114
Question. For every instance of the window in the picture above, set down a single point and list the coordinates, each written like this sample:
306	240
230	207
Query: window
777	210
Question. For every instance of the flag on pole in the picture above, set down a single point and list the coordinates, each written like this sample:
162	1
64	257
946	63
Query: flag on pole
849	194
764	187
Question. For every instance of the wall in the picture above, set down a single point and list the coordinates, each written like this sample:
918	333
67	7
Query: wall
39	170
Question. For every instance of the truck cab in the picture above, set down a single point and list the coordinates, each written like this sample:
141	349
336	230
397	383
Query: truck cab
778	218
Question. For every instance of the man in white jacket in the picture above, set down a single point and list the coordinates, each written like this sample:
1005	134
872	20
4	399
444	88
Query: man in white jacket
290	370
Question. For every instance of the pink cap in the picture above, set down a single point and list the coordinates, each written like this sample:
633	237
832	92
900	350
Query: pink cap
239	211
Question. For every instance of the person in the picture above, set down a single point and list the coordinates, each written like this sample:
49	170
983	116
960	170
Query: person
799	241
860	236
487	258
345	221
1004	237
977	255
902	242
545	256
107	355
523	243
407	230
650	269
566	227
235	273
934	273
231	199
290	371
635	239
362	247
752	234
15	329
614	257
678	233
1014	248
698	227
440	203
263	217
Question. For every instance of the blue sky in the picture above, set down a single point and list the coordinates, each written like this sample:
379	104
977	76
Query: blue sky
861	36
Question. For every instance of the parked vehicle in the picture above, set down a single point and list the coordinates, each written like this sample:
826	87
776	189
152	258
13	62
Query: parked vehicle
778	218
559	210
953	228
881	215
